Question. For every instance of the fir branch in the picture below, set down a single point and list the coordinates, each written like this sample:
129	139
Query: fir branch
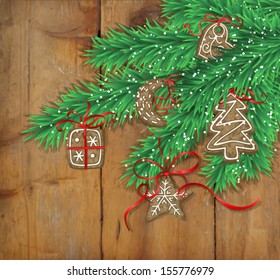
151	47
222	175
156	51
219	174
254	13
117	95
185	129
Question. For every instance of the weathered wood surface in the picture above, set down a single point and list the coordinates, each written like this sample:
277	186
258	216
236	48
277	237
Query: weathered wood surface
55	212
166	237
253	234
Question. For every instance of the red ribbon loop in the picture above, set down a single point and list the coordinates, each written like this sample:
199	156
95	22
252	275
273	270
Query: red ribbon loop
244	97
214	18
225	19
170	84
166	171
85	119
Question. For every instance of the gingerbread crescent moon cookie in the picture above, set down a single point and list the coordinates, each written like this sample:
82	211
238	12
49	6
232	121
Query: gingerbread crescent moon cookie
144	103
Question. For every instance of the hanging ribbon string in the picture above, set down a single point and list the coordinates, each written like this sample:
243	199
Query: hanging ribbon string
248	98
244	97
86	122
170	85
226	19
143	196
214	19
166	170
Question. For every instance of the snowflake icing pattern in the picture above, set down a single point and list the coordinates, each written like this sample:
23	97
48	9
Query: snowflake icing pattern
166	201
79	156
93	141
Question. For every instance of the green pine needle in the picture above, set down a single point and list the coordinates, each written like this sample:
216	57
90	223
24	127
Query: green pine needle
130	57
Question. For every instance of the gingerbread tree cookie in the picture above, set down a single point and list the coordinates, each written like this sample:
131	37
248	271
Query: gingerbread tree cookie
231	130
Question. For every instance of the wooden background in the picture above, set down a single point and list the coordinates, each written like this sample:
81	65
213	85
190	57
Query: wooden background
55	212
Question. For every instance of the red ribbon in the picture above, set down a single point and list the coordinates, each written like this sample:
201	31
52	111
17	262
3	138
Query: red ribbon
166	171
170	84
245	97
85	123
227	205
213	18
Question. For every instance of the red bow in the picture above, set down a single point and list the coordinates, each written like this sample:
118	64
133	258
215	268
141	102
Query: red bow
84	119
166	171
213	18
245	97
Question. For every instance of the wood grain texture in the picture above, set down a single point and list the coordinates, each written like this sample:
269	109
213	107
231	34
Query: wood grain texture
165	237
51	211
40	46
14	90
252	234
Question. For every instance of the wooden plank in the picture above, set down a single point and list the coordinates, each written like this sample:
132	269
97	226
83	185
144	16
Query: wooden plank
166	237
57	216
14	88
252	234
